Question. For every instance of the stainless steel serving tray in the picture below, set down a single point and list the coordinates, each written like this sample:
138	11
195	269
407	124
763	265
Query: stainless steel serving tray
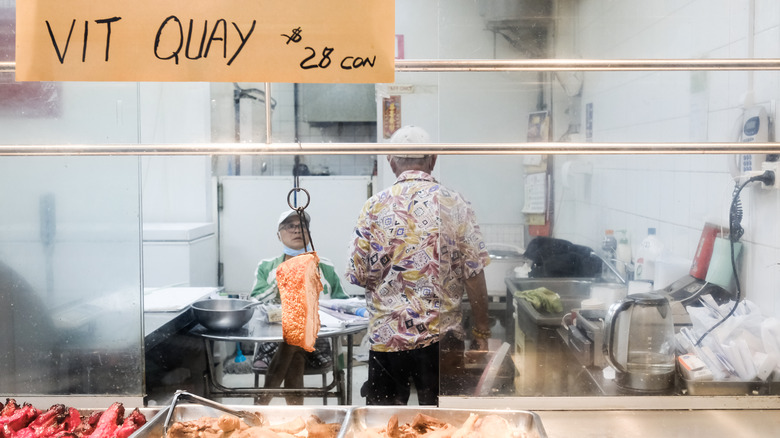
362	418
731	388
274	414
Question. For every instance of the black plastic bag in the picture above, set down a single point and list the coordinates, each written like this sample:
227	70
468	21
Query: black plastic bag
560	258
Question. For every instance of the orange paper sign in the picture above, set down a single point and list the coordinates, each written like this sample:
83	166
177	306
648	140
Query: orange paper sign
303	41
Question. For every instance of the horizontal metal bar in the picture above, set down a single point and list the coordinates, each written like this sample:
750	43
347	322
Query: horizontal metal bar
483	65
553	148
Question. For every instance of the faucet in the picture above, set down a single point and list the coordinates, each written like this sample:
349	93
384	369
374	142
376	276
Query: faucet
612	263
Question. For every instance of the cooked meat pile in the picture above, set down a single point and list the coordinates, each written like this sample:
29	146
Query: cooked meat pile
228	426
299	288
59	421
487	426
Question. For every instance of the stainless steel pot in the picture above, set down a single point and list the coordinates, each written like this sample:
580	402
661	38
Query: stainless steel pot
227	314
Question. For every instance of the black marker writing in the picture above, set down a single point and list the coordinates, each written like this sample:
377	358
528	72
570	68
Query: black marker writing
220	24
324	60
243	40
61	55
357	62
296	36
178	39
347	62
86	36
108	22
175	52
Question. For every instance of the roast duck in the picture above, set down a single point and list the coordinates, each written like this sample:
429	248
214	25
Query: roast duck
59	421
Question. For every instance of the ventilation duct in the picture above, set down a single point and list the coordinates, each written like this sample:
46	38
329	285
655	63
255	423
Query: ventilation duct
524	24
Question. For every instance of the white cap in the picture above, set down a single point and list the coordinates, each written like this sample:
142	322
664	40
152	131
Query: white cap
289	213
410	134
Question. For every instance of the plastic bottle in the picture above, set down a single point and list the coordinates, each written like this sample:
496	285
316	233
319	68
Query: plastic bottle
649	251
609	245
623	253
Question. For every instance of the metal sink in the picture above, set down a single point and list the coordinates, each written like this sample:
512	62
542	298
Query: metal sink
571	290
565	287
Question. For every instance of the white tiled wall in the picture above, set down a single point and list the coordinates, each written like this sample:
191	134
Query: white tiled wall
283	120
506	234
676	194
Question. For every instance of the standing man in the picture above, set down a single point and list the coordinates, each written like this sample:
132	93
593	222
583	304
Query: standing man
417	246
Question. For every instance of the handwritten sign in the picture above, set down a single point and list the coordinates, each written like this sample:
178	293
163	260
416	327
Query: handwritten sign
303	41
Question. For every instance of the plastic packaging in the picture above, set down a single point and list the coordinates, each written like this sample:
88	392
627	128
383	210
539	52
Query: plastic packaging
270	313
649	251
352	306
623	253
693	368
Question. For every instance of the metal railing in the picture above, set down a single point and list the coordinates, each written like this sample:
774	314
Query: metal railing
557	148
551	65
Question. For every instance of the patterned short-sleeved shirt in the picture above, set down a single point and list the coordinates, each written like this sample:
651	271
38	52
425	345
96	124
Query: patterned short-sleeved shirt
414	245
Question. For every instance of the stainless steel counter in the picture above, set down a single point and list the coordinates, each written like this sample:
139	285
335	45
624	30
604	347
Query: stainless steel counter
160	326
667	424
174	360
548	377
168	317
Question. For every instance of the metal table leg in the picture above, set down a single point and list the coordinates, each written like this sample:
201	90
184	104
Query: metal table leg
213	386
350	339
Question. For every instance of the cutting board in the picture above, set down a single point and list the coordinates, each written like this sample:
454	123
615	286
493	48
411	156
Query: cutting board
174	299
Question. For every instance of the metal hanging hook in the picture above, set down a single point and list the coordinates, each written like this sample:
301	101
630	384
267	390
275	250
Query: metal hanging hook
304	223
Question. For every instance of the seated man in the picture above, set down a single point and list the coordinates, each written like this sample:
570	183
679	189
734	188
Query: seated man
289	362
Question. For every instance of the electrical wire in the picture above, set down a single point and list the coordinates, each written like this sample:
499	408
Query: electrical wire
252	93
735	214
735	233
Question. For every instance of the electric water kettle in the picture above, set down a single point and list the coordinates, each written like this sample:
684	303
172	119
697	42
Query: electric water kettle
639	342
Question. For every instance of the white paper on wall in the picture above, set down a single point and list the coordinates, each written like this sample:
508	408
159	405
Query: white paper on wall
535	193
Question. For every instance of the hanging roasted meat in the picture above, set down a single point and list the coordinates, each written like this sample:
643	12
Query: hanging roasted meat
299	287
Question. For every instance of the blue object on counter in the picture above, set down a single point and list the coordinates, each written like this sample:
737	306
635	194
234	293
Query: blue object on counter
239	354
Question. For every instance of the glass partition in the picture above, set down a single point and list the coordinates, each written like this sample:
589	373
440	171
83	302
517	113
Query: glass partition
560	354
70	276
590	180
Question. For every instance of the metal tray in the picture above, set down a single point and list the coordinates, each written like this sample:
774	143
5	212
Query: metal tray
274	414
362	418
731	387
571	290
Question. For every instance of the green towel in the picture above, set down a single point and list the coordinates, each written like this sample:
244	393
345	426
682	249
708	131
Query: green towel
543	299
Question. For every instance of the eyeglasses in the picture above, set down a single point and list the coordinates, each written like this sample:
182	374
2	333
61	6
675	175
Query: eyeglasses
292	226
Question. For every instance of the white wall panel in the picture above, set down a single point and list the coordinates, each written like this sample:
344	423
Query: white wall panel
251	207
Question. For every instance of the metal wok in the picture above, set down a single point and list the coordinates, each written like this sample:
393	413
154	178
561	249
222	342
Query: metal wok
223	315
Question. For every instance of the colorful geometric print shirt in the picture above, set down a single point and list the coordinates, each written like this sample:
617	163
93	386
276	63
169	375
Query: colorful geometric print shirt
415	243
